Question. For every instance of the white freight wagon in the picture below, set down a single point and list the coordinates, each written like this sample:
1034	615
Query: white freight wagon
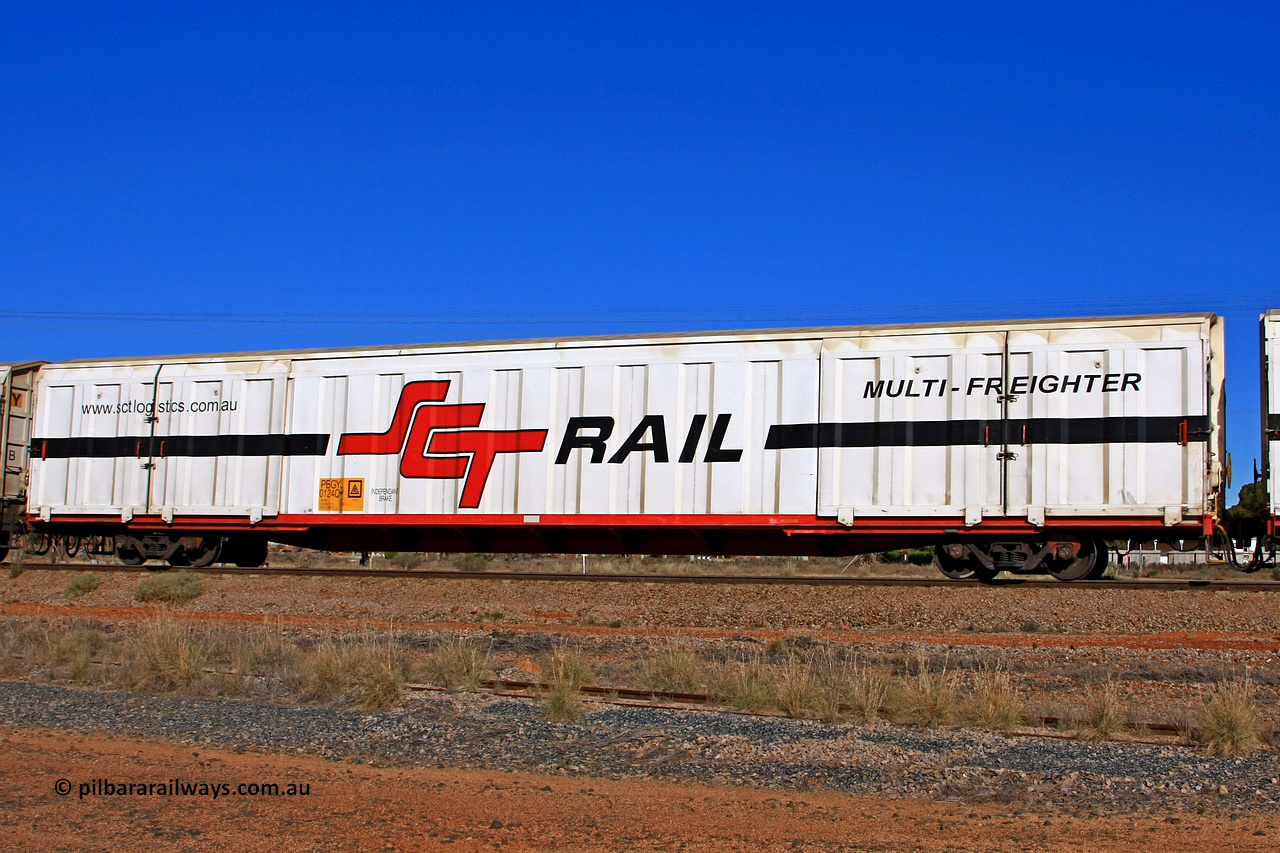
1271	414
1011	445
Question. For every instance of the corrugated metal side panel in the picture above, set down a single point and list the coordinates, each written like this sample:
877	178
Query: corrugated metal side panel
908	379
199	400
680	427
653	413
1118	477
89	404
1271	402
1124	374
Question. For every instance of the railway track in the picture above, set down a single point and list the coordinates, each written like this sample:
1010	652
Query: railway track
1152	584
631	696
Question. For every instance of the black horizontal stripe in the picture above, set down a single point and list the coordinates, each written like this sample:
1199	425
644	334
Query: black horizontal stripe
1117	430
1273	422
106	447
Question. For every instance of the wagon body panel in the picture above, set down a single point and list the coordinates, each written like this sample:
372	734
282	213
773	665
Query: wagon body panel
1271	410
920	428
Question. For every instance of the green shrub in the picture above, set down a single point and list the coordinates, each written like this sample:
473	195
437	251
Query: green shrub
170	588
471	562
405	559
82	585
921	558
892	556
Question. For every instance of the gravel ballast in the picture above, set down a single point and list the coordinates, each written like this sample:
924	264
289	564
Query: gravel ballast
479	731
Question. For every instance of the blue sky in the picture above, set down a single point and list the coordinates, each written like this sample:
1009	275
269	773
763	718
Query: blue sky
239	177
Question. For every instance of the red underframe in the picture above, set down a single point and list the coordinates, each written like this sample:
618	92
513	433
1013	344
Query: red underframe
790	525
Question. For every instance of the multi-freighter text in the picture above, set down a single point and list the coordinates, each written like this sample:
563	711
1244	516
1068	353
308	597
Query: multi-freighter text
1052	383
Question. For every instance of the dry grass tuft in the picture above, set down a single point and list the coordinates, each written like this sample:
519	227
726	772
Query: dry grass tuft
867	695
1104	714
375	667
169	588
71	649
454	663
166	655
745	686
924	699
846	689
993	703
565	672
673	669
322	667
795	691
1229	722
266	655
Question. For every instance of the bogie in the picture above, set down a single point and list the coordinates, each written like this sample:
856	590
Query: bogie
1083	558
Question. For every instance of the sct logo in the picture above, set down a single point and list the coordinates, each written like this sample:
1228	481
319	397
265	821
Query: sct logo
440	442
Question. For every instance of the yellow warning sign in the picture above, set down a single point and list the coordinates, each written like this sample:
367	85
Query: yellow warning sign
341	494
16	399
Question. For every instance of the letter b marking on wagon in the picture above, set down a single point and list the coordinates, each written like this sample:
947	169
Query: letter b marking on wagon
440	441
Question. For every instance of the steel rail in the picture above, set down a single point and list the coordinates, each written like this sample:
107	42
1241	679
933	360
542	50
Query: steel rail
1151	584
508	687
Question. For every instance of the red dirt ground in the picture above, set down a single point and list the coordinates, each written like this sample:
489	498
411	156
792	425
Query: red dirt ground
356	807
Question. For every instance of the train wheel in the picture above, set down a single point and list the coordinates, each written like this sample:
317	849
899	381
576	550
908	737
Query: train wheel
1089	563
963	568
206	554
1104	560
251	554
71	545
956	568
129	555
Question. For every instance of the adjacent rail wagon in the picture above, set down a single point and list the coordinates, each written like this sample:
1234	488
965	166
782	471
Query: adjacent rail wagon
1019	446
17	387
